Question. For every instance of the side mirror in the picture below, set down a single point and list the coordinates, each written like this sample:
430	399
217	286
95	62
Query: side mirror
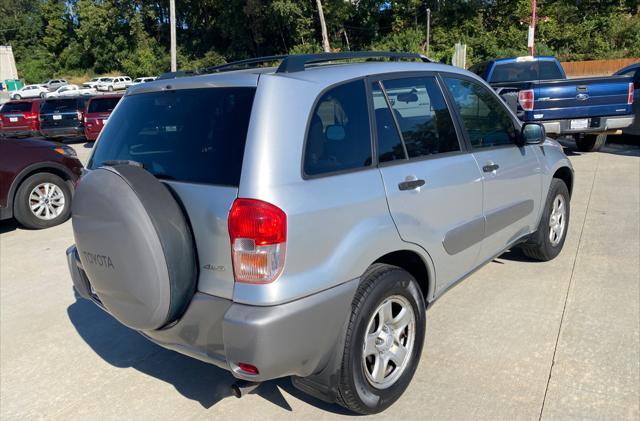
335	132
532	134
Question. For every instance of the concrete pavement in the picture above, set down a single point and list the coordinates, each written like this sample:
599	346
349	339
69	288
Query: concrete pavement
517	340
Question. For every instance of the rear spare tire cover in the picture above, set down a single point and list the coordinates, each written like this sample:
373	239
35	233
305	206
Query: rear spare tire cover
135	245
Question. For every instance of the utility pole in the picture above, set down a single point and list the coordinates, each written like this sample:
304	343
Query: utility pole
172	23
323	25
428	29
532	28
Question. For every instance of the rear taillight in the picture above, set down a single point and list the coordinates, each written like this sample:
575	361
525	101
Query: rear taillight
630	96
526	98
258	232
80	115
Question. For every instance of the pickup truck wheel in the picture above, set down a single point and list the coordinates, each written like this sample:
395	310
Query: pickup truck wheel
548	240
384	340
591	143
43	200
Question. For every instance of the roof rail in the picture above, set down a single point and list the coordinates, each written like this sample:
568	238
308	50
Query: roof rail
297	62
240	63
180	73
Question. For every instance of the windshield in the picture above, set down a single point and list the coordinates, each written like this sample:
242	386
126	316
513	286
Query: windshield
525	71
191	135
11	107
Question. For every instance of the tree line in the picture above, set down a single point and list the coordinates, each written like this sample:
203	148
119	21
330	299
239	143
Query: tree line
86	37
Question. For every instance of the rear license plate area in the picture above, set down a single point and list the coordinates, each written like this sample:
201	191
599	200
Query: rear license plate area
578	124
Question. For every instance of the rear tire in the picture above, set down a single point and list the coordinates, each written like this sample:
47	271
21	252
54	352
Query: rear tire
388	310
50	197
591	143
547	242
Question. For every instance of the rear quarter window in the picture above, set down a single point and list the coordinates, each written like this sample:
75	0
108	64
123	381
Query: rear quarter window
339	137
191	135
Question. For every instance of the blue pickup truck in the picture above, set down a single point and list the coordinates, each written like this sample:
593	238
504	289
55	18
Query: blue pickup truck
538	90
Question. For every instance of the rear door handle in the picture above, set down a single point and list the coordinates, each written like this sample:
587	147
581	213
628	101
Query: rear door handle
490	167
411	184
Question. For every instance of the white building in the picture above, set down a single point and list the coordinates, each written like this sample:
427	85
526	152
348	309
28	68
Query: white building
7	63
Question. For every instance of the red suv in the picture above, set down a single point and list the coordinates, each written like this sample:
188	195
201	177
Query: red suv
98	110
37	178
20	118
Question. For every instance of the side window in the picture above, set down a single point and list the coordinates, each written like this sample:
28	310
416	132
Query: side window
422	116
485	118
390	145
339	136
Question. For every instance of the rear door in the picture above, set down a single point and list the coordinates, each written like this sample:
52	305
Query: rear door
61	112
13	115
511	174
433	185
193	140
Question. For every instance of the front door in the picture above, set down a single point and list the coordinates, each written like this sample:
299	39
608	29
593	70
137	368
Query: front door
511	173
433	185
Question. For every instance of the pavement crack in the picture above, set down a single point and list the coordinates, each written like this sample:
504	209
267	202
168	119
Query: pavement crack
566	298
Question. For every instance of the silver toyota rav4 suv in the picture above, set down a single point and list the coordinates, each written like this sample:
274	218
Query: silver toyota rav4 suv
298	220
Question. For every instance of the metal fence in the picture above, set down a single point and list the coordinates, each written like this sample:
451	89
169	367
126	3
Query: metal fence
596	67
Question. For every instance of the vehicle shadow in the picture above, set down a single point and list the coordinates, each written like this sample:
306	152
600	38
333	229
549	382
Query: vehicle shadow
515	255
617	145
196	380
8	225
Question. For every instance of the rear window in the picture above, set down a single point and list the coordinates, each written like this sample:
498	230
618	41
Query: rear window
525	71
103	105
191	135
60	106
12	107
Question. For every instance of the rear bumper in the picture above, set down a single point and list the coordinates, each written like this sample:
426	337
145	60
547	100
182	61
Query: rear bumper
298	338
22	132
62	132
594	124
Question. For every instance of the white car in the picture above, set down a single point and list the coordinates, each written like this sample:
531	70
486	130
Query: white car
94	82
140	80
111	84
69	90
29	91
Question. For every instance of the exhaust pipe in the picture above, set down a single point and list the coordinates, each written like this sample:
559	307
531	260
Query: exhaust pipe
243	387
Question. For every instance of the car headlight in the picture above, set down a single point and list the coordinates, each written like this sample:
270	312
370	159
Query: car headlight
66	151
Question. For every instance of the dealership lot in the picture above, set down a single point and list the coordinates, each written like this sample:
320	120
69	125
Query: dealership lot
517	340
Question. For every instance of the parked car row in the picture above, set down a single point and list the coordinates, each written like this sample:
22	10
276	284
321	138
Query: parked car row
59	117
60	87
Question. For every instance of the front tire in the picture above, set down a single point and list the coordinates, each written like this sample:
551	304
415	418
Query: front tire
384	340
17	97
110	88
591	143
43	200
548	240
